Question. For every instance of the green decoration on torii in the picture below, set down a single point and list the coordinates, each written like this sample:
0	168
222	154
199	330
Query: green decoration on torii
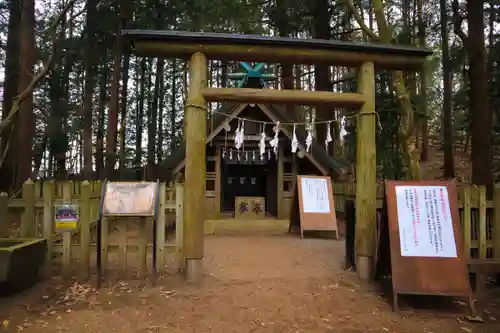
252	72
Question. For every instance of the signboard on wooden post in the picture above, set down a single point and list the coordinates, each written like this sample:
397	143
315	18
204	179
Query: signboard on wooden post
313	208
123	199
66	217
129	199
425	240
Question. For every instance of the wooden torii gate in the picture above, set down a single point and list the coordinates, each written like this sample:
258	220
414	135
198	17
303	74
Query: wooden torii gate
198	47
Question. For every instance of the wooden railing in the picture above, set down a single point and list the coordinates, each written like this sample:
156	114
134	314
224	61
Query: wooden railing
480	224
35	206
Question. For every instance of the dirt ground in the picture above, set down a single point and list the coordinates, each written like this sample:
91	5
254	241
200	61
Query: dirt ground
251	284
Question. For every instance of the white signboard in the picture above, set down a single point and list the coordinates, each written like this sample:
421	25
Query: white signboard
425	224
127	198
315	195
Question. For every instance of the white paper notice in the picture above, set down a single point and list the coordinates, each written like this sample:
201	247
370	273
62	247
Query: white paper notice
425	225
315	195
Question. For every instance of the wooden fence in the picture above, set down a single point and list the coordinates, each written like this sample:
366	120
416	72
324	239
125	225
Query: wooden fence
480	224
75	251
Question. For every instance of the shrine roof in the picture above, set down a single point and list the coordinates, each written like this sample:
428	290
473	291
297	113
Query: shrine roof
317	155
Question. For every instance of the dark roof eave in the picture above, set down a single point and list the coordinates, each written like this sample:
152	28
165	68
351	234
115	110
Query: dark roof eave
256	40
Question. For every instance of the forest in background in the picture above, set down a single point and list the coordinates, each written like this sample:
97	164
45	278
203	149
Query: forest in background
75	104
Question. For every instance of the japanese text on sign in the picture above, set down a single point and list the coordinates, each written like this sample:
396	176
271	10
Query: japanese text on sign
425	223
315	195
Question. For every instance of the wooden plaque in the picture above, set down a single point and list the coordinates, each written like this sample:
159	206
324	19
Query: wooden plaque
250	208
425	239
313	198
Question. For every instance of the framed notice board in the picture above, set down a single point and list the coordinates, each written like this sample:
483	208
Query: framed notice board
126	199
425	240
313	208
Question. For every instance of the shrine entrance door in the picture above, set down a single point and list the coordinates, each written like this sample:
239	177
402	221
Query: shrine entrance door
240	180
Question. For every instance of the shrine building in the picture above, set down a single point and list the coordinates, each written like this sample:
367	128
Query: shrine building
237	179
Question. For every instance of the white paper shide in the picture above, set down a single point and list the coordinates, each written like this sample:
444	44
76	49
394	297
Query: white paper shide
425	222
315	195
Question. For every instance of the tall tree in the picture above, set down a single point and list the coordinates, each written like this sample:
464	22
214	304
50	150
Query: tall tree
26	119
90	77
449	164
10	89
482	157
154	145
111	137
480	114
321	30
424	83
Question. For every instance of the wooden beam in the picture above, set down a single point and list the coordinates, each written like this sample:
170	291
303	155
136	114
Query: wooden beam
273	96
217	182
279	181
366	181
195	171
246	52
4	212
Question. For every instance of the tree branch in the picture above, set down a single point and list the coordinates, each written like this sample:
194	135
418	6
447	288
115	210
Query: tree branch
14	110
457	23
369	32
43	72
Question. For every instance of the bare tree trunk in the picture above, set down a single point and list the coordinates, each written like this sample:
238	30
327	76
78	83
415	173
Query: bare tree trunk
449	164
139	117
321	10
114	102
482	157
123	113
173	110
26	119
90	75
9	92
424	154
103	94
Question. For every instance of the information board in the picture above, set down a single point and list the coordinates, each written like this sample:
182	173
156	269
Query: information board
315	195
425	240
425	224
129	199
313	208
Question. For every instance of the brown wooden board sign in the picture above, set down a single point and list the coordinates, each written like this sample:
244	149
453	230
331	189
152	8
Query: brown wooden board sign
425	239
313	208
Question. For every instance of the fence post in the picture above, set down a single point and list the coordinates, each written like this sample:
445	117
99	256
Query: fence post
66	251
48	218
160	230
28	228
467	220
85	230
482	246
4	214
179	223
496	222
